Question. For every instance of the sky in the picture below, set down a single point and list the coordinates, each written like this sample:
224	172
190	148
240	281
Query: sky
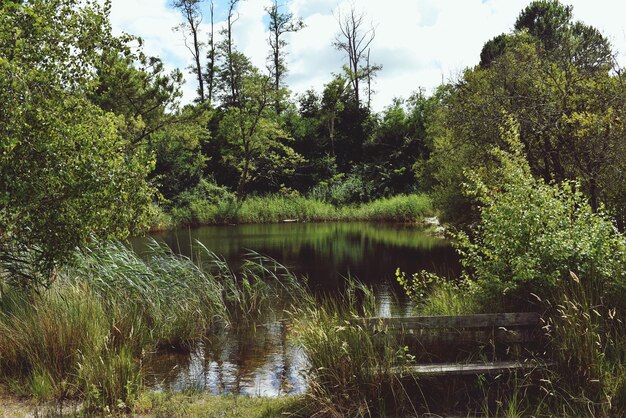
419	43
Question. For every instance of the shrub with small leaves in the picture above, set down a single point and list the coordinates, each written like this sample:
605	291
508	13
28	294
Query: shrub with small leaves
532	234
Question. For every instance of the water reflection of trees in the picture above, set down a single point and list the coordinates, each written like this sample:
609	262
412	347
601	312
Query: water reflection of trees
228	240
258	358
326	248
254	359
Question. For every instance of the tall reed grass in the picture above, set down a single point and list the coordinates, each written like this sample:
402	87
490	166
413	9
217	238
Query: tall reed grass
352	372
85	337
588	342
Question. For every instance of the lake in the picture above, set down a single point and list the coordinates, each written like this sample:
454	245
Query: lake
264	361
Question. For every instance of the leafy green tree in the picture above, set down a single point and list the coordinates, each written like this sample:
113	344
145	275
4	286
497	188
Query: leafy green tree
493	49
553	76
67	173
135	86
396	146
255	144
304	123
177	148
546	20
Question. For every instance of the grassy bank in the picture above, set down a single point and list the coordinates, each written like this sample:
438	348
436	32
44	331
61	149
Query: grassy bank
278	208
174	405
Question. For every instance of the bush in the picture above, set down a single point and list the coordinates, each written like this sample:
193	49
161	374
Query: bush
205	203
341	190
434	295
532	234
541	247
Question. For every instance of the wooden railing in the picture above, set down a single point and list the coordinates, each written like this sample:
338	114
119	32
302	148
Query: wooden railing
512	341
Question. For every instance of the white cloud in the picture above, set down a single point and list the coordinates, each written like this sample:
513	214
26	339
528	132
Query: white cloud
417	41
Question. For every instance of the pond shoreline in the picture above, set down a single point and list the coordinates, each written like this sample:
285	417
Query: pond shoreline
326	253
409	209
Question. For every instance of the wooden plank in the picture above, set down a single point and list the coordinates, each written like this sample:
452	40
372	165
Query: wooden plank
499	320
451	336
456	369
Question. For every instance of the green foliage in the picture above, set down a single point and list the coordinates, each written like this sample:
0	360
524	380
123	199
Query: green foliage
256	147
133	85
397	145
67	172
205	203
552	75
434	295
523	255
551	23
341	190
532	234
180	162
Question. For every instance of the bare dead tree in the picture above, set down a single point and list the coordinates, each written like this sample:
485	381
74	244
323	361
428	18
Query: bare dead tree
190	9
369	80
211	56
230	21
354	38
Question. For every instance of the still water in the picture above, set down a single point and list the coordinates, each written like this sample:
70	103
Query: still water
264	361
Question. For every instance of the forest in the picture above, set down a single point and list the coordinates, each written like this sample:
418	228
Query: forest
522	157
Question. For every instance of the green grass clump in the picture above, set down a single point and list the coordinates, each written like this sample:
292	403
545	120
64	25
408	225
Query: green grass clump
588	342
43	337
276	208
162	298
110	380
352	371
170	404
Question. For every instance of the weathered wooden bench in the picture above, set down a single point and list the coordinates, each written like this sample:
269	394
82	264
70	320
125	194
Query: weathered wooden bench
480	344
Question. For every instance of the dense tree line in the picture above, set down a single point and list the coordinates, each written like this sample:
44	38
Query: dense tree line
558	80
265	140
93	135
